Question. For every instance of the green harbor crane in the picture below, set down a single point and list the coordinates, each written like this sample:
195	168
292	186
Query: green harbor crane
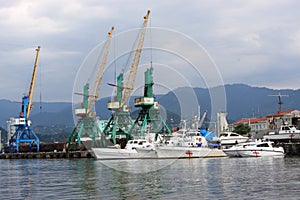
120	122
149	120
88	129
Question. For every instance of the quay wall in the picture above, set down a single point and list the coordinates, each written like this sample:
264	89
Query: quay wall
48	155
291	148
47	151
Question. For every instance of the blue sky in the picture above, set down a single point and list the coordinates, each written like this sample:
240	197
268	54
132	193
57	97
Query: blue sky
253	42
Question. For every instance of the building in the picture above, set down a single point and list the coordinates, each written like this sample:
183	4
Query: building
11	129
260	126
256	124
284	117
222	124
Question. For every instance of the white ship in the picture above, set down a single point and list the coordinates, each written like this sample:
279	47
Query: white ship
183	145
130	151
285	133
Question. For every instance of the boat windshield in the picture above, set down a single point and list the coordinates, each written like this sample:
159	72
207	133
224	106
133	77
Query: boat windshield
249	145
263	145
142	142
224	135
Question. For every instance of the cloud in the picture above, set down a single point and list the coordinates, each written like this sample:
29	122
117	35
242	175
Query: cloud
250	42
294	42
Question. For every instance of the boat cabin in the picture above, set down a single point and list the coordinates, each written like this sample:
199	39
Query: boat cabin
285	129
289	129
138	143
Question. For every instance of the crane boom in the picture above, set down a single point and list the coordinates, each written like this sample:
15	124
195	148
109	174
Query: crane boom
130	80
98	80
202	119
31	89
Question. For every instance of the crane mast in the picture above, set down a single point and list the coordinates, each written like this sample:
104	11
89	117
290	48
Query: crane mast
130	80
32	84
149	119
99	77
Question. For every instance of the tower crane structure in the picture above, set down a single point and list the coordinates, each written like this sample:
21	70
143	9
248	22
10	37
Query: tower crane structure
23	132
120	122
88	129
149	119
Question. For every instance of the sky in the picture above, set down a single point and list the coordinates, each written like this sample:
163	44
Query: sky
197	43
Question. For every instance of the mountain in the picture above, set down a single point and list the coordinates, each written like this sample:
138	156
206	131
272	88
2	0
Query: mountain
44	113
242	101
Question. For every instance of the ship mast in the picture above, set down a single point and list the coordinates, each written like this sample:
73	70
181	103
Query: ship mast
279	100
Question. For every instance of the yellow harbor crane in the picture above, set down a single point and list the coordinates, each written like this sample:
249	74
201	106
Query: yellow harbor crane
87	127
130	80
99	77
120	121
23	133
32	84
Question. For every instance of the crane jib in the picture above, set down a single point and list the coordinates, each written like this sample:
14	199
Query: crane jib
32	84
99	77
130	80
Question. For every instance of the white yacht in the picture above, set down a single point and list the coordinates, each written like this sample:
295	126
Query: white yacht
231	138
254	149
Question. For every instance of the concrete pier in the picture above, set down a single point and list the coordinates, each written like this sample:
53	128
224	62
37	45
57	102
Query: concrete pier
48	155
292	149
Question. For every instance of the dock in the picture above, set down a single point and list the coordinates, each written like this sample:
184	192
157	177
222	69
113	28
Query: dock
292	149
56	150
48	155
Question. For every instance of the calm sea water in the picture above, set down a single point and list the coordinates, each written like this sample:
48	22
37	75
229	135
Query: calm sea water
209	178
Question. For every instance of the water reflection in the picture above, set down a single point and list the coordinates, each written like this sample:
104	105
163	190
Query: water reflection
18	178
137	166
217	178
213	178
127	185
85	174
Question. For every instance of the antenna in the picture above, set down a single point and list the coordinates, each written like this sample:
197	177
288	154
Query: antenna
40	73
279	99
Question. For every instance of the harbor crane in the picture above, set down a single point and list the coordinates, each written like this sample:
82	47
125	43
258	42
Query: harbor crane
149	119
120	121
279	100
23	132
130	80
88	129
